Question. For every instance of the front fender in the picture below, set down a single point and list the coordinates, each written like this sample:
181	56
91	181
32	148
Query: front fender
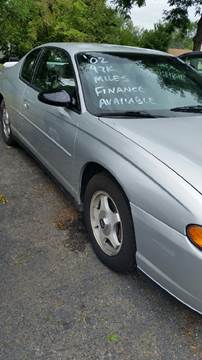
147	182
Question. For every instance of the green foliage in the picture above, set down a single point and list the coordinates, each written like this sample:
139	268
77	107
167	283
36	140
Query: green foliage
177	16
14	18
127	4
27	23
178	12
128	34
183	39
158	38
113	337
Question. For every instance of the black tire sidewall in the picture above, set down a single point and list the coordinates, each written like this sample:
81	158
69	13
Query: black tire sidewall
125	260
8	140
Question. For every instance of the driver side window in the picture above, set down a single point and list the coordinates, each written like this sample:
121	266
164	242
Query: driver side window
55	72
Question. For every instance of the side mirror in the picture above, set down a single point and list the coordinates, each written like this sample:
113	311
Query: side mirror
56	98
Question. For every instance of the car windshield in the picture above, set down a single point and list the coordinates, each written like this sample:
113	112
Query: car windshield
122	83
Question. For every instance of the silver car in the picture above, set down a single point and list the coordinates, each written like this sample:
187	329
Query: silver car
120	128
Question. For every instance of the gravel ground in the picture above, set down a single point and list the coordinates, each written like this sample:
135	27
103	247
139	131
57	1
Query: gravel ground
57	301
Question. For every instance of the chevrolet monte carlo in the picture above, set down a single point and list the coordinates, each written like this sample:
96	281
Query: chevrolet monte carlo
120	129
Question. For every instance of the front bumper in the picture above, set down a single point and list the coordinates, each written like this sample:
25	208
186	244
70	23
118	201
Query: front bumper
169	258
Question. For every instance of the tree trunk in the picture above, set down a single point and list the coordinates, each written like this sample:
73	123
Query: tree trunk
197	40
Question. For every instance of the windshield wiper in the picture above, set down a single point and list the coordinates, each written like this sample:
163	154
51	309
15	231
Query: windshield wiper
136	114
194	109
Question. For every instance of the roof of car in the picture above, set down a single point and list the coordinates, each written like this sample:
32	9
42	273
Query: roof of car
191	54
80	47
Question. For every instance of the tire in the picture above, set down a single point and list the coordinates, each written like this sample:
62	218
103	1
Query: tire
6	125
109	223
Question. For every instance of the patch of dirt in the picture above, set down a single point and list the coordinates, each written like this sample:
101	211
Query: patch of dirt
44	188
71	221
192	336
66	217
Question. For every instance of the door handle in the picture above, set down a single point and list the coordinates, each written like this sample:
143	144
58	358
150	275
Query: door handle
26	105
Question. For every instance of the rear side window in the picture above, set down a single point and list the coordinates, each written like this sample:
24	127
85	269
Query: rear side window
29	64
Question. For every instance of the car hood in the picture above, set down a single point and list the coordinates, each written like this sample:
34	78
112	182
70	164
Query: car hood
177	142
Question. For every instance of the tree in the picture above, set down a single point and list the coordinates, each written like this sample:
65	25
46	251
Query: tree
183	39
157	38
126	5
128	33
28	23
15	16
177	15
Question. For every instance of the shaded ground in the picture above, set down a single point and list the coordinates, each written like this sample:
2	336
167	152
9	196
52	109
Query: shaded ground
57	301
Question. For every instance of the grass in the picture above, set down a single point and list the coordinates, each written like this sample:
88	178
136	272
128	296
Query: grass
113	337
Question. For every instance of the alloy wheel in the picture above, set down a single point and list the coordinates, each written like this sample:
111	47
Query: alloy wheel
106	223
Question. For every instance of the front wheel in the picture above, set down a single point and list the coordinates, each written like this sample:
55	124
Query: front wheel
6	125
109	223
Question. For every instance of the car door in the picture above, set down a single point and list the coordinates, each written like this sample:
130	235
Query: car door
20	84
53	129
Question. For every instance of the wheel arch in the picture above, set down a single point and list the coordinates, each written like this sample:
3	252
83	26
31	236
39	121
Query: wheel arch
91	169
125	260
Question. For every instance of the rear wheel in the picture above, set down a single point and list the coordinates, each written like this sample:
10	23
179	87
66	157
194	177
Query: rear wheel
6	125
109	223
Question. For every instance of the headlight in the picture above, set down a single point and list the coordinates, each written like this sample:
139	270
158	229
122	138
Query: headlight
194	233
